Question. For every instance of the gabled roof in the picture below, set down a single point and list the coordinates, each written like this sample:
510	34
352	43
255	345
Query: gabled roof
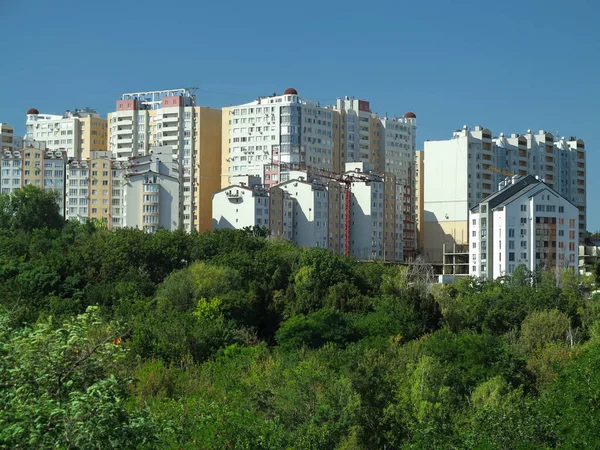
508	192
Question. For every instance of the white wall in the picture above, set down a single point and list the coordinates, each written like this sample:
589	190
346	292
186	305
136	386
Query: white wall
236	207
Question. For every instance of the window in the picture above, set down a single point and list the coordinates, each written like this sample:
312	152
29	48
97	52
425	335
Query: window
561	209
511	232
511	256
523	207
511	245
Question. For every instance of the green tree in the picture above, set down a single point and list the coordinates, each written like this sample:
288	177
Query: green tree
30	208
316	329
60	388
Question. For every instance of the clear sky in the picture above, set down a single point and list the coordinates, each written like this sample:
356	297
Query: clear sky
507	65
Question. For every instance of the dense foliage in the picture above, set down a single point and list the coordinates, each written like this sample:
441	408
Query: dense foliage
230	340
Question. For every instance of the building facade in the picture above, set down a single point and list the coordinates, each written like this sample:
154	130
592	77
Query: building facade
172	118
139	192
358	213
8	140
34	165
463	171
280	129
95	189
525	223
77	133
276	138
238	207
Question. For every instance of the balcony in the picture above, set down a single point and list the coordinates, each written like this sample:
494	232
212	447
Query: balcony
171	126
125	121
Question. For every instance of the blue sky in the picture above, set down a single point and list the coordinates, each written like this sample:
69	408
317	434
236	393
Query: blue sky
509	66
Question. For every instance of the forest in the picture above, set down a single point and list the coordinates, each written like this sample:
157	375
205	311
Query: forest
231	340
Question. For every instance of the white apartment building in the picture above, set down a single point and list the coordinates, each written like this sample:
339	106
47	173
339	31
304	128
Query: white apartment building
240	206
307	219
463	171
171	118
524	223
152	194
287	128
75	132
312	213
560	162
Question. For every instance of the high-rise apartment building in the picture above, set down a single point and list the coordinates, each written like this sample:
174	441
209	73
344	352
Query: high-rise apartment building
287	128
77	133
525	223
34	165
463	171
275	137
139	192
172	118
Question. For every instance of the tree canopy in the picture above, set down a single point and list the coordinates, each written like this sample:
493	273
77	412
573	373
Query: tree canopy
122	339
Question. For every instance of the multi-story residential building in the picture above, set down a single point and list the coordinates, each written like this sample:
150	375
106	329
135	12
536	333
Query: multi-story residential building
94	189
34	165
240	206
306	220
275	137
359	209
561	163
171	117
77	132
525	223
139	192
152	193
8	140
462	171
287	128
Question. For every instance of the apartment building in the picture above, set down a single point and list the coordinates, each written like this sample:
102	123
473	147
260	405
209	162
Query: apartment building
140	192
172	118
8	140
278	137
525	223
153	192
560	162
304	212
240	206
463	171
77	133
94	189
358	213
286	128
34	165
